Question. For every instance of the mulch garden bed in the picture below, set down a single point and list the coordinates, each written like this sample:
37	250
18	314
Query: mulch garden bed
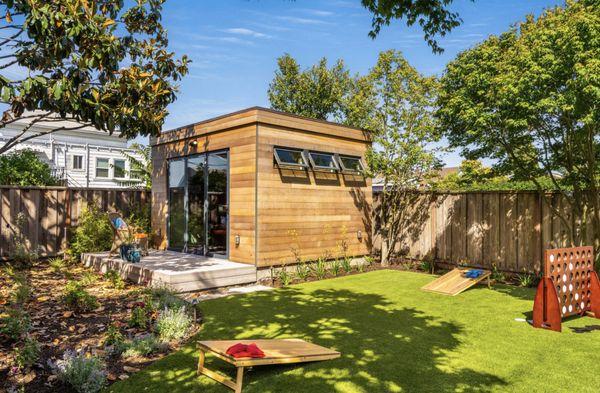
58	329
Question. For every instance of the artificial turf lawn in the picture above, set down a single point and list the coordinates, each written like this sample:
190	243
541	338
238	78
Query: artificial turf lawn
393	337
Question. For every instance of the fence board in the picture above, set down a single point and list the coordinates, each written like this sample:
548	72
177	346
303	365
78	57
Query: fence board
508	229
46	208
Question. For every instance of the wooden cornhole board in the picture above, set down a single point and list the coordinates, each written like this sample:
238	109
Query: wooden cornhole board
283	351
455	282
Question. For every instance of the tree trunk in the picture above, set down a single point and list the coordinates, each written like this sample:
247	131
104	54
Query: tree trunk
384	250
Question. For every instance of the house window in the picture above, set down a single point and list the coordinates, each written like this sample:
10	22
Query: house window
350	164
323	161
77	162
289	158
102	167
119	167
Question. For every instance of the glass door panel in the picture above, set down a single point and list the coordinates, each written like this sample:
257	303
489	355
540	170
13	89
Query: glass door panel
217	203
196	195
177	204
198	204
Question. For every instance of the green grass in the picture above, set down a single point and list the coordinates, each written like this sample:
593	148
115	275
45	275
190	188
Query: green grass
393	337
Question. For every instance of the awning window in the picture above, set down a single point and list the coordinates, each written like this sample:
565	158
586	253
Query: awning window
289	158
323	161
351	164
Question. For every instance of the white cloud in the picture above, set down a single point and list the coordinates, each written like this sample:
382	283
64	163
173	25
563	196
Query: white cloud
303	21
246	32
316	12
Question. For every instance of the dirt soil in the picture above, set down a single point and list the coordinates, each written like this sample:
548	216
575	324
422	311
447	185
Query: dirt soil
58	329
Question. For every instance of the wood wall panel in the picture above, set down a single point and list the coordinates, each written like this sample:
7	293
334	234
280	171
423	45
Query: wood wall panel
241	143
315	212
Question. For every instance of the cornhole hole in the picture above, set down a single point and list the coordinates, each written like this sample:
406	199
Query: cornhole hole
570	286
283	351
455	282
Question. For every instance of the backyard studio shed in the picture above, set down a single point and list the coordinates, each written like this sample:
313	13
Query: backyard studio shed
260	186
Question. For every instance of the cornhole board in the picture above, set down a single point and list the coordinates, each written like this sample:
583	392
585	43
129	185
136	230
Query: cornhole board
283	351
455	282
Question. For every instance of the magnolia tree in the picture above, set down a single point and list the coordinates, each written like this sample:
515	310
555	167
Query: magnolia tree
529	100
403	127
100	63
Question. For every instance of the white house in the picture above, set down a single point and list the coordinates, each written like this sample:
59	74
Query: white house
84	157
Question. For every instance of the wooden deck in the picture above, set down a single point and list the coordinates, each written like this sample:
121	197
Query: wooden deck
179	271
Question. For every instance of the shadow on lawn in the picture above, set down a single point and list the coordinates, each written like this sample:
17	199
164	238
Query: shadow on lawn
383	348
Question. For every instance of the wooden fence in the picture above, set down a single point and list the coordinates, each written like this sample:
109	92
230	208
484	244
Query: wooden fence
508	229
49	212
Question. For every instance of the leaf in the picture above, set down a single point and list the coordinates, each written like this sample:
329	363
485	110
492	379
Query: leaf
108	22
8	17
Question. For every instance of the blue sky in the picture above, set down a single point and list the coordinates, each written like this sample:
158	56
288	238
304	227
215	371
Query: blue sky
234	44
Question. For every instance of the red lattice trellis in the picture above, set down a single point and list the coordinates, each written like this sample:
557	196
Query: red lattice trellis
569	287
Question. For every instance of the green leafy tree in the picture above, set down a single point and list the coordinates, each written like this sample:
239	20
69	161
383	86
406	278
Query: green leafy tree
24	168
100	63
141	163
403	126
317	92
434	17
529	100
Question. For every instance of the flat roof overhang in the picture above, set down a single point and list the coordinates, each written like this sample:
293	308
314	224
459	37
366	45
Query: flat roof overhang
259	115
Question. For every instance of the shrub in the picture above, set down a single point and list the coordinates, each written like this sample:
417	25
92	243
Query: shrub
93	233
369	260
320	268
84	374
527	279
57	264
113	337
115	279
27	354
15	324
21	289
336	267
139	218
347	264
142	346
173	324
138	317
88	278
25	168
76	297
426	266
284	276
302	270
497	275
164	297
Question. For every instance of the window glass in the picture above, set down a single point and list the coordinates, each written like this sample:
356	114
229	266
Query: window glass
323	161
119	167
176	173
289	157
102	167
77	162
351	164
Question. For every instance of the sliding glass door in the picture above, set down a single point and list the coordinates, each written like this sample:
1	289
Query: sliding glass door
199	204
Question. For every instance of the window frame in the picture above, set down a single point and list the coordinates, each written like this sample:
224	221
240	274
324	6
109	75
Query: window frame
107	168
349	170
114	165
73	156
289	165
322	168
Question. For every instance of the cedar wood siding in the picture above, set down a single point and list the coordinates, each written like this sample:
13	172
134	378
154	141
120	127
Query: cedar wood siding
322	209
